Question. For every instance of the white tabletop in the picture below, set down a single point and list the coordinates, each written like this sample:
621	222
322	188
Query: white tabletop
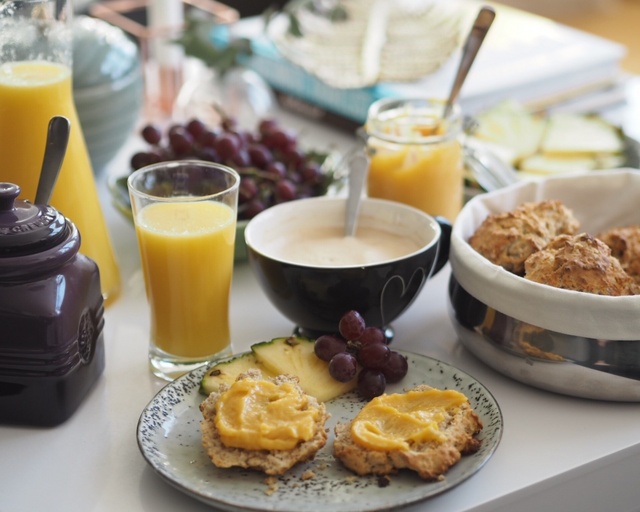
556	453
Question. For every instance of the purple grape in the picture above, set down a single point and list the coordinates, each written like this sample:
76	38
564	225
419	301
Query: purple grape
253	208
196	128
208	154
293	157
181	141
141	159
241	158
310	173
374	356
396	367
249	137
351	325
267	126
371	383
343	367
294	177
151	134
328	345
227	145
248	189
158	154
260	155
372	335
276	169
208	139
285	190
281	139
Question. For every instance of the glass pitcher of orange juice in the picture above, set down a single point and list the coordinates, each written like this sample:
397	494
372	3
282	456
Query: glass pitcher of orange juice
36	48
416	155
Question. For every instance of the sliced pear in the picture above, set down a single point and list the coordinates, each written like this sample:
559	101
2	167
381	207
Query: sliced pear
573	134
510	125
546	165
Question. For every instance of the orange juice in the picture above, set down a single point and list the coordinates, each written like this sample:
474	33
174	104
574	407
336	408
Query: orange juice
416	157
31	93
187	259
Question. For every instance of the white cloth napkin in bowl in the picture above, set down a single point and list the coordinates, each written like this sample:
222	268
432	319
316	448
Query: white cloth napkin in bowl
599	200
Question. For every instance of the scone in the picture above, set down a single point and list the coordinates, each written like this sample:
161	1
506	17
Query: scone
580	263
558	219
264	424
409	430
624	243
509	238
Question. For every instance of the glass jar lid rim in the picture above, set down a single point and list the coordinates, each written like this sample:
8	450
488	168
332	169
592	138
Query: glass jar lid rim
412	120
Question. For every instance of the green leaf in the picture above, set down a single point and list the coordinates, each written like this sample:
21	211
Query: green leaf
294	25
338	13
335	14
196	43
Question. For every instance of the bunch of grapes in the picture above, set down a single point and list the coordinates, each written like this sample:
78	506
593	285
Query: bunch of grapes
359	345
272	166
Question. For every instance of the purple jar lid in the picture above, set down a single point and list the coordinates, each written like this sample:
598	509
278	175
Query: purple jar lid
25	227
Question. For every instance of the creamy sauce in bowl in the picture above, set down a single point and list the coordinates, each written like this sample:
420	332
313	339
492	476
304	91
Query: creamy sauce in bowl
326	246
310	233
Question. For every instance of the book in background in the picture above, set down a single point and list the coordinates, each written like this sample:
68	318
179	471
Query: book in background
525	57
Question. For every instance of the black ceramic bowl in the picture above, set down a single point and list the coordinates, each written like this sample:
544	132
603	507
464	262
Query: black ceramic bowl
314	297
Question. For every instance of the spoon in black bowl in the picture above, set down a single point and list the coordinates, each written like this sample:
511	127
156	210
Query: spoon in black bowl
358	171
54	151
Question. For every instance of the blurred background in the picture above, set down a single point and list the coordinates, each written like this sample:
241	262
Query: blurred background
614	19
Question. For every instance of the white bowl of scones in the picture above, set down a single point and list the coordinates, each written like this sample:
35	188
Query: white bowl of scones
545	284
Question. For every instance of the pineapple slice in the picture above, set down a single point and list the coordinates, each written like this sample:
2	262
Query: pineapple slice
226	372
294	355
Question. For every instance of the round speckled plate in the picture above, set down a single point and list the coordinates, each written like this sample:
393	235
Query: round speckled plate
169	439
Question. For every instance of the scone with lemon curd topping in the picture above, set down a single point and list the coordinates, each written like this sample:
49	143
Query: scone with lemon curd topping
264	424
426	430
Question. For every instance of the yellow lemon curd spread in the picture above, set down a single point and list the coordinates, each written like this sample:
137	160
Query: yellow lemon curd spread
425	174
396	421
262	415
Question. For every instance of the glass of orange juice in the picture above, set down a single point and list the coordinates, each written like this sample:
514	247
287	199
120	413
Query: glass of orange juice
185	218
416	155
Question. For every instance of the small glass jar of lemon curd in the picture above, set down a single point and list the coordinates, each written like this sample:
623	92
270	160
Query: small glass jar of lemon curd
416	155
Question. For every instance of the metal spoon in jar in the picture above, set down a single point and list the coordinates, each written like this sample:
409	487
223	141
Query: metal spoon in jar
55	149
469	51
358	170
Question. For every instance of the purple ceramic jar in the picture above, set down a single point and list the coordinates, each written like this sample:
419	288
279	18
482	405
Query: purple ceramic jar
51	314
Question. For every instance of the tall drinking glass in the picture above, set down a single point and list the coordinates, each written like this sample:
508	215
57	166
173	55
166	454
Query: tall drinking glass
36	48
185	218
